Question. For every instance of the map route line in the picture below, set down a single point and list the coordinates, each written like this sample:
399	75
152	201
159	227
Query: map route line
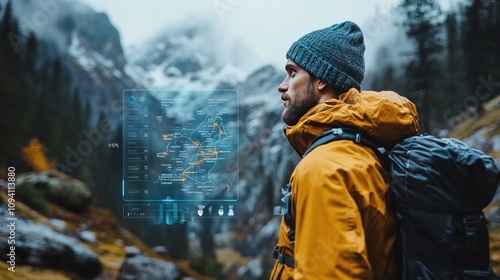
217	127
185	171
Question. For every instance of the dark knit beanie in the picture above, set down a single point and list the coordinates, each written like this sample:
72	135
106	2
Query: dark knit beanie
334	54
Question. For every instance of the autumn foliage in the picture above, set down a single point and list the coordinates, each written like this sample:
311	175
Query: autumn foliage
34	155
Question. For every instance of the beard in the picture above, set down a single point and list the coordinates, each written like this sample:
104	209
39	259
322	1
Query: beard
300	105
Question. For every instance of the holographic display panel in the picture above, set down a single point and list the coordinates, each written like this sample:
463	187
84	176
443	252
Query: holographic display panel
180	151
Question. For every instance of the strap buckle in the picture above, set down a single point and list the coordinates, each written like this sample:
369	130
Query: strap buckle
282	258
471	224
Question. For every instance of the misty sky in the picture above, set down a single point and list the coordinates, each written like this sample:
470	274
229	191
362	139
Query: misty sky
268	27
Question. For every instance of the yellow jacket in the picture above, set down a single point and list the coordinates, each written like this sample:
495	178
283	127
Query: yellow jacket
343	227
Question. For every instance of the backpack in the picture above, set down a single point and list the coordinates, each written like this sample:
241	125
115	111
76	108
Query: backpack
439	189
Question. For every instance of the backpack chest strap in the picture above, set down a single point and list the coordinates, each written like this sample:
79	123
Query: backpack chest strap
283	258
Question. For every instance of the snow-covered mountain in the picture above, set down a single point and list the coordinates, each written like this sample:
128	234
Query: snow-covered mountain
88	46
193	54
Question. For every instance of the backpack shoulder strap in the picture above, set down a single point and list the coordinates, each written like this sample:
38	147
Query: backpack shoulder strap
349	134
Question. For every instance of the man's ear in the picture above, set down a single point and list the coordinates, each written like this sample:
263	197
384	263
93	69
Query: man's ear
326	91
321	85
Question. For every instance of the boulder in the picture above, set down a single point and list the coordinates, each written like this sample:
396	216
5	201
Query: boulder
40	246
140	267
57	187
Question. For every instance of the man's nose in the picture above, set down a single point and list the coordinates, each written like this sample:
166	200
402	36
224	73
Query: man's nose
283	87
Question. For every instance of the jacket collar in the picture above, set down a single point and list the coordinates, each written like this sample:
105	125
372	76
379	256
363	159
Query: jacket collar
385	116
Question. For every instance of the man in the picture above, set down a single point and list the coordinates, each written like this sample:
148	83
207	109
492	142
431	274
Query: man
338	224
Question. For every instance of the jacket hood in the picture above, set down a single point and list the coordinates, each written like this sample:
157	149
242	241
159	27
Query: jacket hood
385	116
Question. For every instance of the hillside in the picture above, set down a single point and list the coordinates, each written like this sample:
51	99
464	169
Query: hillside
68	244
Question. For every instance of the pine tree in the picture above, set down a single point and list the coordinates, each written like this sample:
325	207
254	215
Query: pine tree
453	77
481	43
473	50
492	35
452	51
87	112
422	24
44	120
30	60
7	116
7	19
10	42
206	239
496	30
24	105
9	99
25	101
55	110
56	143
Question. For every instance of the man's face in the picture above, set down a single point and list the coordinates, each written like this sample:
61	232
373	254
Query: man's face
297	92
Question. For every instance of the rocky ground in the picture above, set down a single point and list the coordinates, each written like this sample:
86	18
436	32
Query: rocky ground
62	241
